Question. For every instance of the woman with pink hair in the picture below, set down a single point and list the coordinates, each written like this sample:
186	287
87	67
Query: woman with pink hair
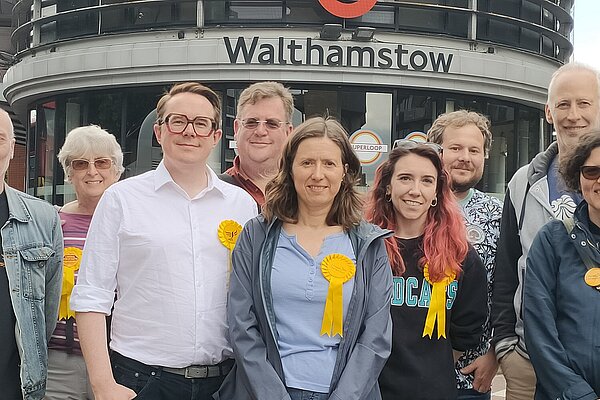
439	288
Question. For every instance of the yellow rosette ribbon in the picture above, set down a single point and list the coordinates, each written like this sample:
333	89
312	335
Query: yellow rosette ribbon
337	269
228	232
437	304
71	262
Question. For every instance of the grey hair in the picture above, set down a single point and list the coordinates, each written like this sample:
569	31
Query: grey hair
573	66
90	140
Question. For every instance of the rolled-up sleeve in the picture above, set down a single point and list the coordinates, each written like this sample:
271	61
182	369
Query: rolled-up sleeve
97	278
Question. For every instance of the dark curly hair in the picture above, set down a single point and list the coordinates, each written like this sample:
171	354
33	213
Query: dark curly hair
570	166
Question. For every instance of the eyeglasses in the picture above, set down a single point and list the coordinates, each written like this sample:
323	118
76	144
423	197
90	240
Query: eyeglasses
413	144
80	164
178	123
271	124
590	172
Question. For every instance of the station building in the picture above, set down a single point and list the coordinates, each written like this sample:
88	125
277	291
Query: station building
386	69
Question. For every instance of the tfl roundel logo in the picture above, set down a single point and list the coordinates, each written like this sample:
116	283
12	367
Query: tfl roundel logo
348	10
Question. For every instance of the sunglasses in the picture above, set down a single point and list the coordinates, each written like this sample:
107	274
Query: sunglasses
80	164
413	144
271	123
590	172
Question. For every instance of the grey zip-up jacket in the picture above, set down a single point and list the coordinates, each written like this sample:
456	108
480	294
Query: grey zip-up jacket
367	341
526	209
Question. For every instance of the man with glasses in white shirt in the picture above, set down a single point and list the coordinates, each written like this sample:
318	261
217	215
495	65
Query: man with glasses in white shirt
159	240
263	123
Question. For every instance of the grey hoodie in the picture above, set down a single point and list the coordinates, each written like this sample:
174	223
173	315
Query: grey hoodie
526	209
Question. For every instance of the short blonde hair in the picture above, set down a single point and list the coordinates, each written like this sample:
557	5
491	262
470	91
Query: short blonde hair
458	119
90	140
267	90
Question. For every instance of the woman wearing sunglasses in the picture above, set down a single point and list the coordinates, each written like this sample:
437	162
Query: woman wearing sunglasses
92	160
310	291
439	285
562	288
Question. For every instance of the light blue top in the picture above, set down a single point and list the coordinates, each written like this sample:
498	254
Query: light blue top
299	293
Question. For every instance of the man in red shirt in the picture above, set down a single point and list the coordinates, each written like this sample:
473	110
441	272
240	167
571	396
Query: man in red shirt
262	125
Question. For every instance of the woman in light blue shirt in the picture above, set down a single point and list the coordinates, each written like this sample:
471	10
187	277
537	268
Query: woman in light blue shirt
310	291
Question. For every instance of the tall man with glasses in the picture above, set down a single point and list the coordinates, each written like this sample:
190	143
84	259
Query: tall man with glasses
162	240
466	139
535	195
263	123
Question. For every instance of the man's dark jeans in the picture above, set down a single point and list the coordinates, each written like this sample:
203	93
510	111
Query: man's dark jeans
152	383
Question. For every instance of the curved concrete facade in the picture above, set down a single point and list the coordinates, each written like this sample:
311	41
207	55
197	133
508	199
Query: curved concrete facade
209	56
107	61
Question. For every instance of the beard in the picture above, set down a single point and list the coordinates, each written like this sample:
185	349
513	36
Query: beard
464	186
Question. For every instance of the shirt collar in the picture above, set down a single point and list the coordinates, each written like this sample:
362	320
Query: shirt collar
162	177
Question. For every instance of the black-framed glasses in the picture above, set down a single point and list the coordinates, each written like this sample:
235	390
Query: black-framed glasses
411	144
271	123
178	123
590	172
80	164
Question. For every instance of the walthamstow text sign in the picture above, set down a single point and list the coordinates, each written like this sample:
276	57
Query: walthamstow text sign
282	51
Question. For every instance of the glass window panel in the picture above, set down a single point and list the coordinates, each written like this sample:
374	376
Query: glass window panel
530	40
458	24
256	10
509	8
105	110
46	151
421	20
531	12
379	16
458	3
503	32
547	46
302	11
370	112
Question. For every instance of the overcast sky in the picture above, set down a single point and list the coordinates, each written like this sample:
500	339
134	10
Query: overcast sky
587	32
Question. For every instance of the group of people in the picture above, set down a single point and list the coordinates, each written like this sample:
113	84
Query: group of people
279	280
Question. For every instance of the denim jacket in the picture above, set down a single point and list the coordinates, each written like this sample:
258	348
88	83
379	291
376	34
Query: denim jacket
32	243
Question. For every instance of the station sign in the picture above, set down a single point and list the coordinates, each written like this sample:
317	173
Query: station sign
368	146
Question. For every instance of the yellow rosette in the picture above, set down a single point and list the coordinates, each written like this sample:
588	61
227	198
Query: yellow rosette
437	304
71	262
228	232
337	269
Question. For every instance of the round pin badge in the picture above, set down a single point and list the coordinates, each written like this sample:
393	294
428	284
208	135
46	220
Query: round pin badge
592	277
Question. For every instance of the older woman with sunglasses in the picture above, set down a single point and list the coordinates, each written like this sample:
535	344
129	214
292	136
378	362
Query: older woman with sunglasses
562	288
92	160
439	297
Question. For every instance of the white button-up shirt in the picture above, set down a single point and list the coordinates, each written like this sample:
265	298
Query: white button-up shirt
160	250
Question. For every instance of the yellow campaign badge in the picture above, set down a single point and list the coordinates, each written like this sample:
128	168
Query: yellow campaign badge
337	269
228	233
71	262
437	304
